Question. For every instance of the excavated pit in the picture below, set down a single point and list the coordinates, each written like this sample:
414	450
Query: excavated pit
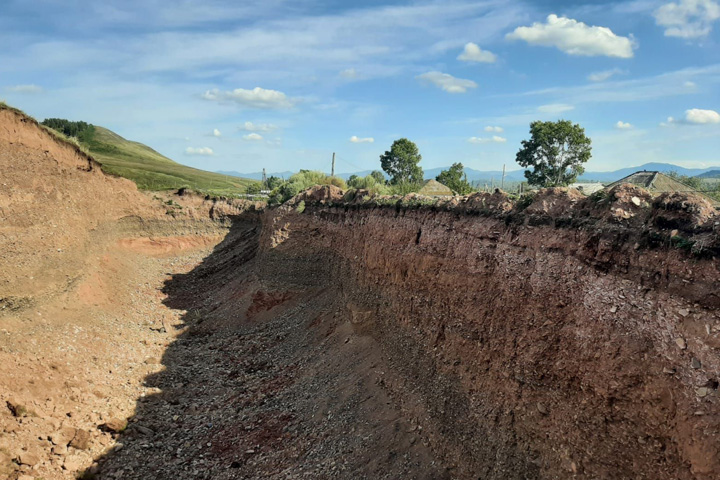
356	337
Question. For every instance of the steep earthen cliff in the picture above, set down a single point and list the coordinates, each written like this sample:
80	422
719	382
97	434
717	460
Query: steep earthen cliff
574	337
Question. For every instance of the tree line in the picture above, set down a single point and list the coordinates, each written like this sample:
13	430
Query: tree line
553	156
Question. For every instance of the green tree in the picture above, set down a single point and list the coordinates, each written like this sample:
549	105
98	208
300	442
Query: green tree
693	182
378	176
455	179
274	182
556	151
253	188
401	162
352	179
83	131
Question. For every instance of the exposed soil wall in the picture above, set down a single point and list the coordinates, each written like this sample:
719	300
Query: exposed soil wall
535	345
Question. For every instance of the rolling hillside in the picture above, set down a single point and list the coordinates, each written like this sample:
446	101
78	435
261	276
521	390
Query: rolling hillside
147	168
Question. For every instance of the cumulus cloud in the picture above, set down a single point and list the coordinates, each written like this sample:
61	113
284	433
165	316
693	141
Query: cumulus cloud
349	73
260	98
575	38
24	89
253	137
699	117
257	127
356	139
216	133
492	129
604	75
555	108
623	125
688	18
204	151
473	53
447	82
493	139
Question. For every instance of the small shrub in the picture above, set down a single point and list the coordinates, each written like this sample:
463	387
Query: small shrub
300	207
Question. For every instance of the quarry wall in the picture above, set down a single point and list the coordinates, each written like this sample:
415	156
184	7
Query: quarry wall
568	337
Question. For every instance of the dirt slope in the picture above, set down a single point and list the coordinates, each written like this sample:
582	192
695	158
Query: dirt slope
82	258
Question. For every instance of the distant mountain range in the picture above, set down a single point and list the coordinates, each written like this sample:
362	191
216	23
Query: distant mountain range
519	175
710	174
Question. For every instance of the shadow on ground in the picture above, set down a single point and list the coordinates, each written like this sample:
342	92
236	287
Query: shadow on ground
266	380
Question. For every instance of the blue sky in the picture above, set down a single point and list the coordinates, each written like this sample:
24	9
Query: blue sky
226	85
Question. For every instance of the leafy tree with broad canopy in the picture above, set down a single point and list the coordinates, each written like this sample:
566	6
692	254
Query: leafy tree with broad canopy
401	163
556	151
455	179
378	176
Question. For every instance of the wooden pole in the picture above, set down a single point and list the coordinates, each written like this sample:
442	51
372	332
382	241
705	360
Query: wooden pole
502	182
332	172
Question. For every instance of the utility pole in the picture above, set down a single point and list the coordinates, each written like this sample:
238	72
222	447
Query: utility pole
502	182
264	179
332	172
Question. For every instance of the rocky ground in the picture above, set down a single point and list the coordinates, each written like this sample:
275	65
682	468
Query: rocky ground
274	385
72	370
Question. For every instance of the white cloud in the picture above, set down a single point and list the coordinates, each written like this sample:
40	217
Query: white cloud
356	139
252	137
473	53
216	133
493	129
620	125
493	139
575	38
670	121
256	98
555	108
257	127
689	84
698	116
24	89
349	73
604	75
688	18
205	151
447	82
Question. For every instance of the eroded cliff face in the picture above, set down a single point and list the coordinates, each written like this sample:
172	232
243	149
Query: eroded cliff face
565	339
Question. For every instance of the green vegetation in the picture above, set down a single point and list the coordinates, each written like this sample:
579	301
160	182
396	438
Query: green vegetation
147	168
370	183
273	182
401	162
455	179
556	151
303	180
80	130
707	185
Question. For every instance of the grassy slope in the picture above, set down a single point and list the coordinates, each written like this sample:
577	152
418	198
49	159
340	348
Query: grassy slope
143	165
153	171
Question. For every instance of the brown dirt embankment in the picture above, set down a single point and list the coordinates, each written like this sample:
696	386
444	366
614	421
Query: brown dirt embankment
571	337
475	337
83	256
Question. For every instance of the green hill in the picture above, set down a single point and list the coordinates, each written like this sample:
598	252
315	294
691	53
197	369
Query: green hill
147	168
711	174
